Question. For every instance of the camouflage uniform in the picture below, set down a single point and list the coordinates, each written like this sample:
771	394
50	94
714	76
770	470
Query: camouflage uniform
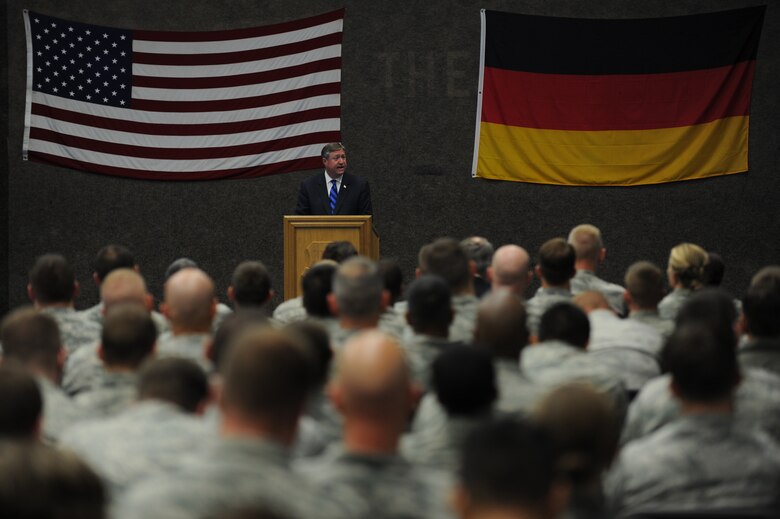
756	401
75	330
421	351
59	411
380	486
233	473
664	327
671	304
439	447
189	346
290	311
112	393
761	352
540	302
697	462
628	348
82	369
142	441
516	392
223	311
585	281
464	321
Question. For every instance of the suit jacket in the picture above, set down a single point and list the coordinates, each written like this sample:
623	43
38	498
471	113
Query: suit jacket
354	196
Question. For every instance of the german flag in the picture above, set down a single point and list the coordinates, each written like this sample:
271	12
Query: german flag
615	102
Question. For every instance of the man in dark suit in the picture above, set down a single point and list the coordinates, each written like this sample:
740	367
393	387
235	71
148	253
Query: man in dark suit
334	192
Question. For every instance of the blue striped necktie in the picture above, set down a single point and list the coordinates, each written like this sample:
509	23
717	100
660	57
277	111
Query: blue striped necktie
334	195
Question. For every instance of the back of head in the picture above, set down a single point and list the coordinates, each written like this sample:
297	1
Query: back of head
179	264
231	327
508	464
645	284
358	288
510	266
761	307
189	300
393	277
429	301
251	284
556	261
565	322
445	258
317	283
52	280
268	375
31	338
586	240
21	404
478	250
501	324
41	482
714	270
464	381
112	257
769	276
339	251
586	428
688	261
317	342
128	336
174	380
123	285
714	308
703	364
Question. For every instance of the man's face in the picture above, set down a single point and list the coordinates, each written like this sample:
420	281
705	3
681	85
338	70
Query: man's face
336	163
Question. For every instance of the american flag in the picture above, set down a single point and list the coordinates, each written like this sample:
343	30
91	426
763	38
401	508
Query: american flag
182	105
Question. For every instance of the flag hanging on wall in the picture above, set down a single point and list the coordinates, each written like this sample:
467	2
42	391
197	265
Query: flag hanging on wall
182	105
615	102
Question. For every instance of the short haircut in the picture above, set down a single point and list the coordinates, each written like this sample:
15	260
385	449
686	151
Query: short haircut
446	258
128	335
714	308
31	338
769	275
21	403
52	279
358	286
480	251
251	283
761	306
714	270
565	322
508	463
645	283
586	427
268	375
231	327
177	265
38	481
688	261
429	301
702	369
586	240
317	342
112	257
330	148
501	325
317	283
339	251
175	380
556	261
464	380
393	277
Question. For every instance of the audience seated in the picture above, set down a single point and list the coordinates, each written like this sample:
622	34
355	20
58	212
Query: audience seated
685	273
644	290
511	268
586	240
108	259
555	270
250	286
446	259
53	290
707	458
480	251
761	322
21	404
221	310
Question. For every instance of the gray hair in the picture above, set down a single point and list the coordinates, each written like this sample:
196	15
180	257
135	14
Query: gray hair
479	250
358	287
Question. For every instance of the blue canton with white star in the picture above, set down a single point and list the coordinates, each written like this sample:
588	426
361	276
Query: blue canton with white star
82	62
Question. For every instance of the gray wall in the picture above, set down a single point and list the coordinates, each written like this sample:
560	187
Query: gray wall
408	103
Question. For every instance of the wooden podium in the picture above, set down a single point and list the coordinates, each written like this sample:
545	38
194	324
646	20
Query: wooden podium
305	238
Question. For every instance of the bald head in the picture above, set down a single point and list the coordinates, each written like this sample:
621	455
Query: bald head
511	268
373	377
586	240
189	301
591	300
124	286
501	324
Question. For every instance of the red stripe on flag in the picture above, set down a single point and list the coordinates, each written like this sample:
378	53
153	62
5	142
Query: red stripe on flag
236	104
328	112
238	80
257	171
221	58
236	34
616	102
182	153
